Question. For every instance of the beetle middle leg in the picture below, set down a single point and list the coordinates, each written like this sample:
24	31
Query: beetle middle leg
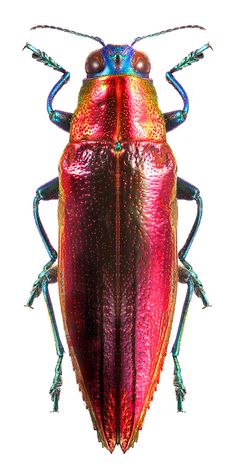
48	275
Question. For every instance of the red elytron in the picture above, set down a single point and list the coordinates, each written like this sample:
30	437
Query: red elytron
117	254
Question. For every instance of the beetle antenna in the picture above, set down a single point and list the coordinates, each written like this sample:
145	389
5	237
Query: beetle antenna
166	31
98	39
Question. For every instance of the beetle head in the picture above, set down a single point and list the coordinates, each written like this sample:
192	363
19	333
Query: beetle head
117	60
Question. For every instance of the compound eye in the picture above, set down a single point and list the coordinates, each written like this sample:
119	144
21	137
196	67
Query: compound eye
141	62
95	62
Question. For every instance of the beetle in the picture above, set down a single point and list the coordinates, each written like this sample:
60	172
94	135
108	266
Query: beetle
118	261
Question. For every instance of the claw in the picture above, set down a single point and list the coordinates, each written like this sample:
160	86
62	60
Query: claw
201	50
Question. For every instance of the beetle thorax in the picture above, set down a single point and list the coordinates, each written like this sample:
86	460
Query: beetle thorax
118	108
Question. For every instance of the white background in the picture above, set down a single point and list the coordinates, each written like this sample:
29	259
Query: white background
31	436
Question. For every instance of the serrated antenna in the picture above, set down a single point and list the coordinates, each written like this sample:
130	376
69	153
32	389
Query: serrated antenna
44	26
166	31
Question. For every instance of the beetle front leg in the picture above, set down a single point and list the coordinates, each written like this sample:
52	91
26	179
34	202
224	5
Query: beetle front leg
187	191
175	118
48	191
60	118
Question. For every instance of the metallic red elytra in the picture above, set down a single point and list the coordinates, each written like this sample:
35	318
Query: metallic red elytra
117	261
117	251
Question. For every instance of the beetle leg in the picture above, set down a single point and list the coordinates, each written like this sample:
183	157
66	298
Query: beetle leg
60	118
185	277
51	277
48	191
187	191
175	118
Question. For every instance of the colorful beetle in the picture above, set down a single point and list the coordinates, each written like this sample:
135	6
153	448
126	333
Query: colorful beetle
117	271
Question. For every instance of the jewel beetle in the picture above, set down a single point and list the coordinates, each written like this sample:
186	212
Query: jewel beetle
117	260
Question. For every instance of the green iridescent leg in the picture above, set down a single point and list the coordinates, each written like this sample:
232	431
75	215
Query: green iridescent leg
187	191
180	390
55	389
175	118
48	275
60	118
48	191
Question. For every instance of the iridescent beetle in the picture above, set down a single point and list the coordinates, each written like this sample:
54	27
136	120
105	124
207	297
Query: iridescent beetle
118	269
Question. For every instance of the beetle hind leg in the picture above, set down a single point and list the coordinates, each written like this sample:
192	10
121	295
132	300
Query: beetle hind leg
48	275
188	277
187	191
48	191
55	389
180	390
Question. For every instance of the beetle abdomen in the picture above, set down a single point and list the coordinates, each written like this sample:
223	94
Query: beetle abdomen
117	276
